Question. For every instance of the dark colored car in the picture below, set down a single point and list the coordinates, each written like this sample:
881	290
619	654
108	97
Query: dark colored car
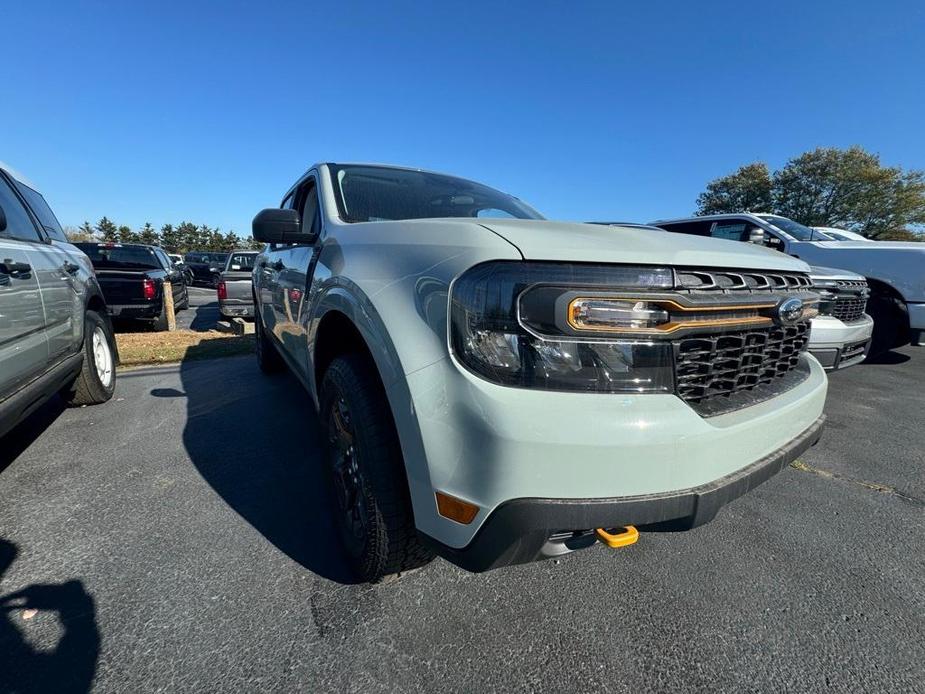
132	277
206	266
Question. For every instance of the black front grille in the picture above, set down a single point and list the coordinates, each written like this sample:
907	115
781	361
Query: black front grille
849	308
723	365
850	300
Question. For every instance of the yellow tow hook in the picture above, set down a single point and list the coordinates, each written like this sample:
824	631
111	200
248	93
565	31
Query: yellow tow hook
618	537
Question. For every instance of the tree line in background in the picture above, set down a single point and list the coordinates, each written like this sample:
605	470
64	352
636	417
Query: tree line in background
841	188
179	238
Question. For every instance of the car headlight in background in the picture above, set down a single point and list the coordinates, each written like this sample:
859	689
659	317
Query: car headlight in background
529	339
827	291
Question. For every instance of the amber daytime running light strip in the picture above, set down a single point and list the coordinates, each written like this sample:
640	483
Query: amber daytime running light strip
674	325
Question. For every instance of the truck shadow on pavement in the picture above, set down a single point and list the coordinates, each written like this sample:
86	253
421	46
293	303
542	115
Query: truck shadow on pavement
255	439
67	668
26	432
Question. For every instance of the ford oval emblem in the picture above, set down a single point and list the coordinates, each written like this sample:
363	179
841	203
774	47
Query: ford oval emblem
790	311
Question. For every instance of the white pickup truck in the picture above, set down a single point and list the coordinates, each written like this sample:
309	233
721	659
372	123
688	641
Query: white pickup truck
498	388
895	270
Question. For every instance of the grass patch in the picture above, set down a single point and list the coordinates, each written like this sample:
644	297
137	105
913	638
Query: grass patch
182	345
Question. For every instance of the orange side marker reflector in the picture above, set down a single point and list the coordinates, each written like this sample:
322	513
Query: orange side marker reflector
455	509
618	537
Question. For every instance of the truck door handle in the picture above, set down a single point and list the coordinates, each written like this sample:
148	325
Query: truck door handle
70	268
8	267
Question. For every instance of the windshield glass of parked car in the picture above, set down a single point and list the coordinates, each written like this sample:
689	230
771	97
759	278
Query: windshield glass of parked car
794	229
241	261
378	193
207	258
119	257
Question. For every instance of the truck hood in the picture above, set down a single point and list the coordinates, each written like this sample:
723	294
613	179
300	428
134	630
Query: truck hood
595	243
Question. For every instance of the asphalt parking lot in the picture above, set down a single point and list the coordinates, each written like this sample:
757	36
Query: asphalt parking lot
202	313
175	539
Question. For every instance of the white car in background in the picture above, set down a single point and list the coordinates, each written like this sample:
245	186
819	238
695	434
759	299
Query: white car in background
841	333
841	234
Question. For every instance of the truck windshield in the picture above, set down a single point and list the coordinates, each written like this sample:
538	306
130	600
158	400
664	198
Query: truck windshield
794	229
241	261
207	258
379	193
114	257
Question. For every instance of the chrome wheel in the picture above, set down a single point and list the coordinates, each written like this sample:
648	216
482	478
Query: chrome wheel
102	356
348	482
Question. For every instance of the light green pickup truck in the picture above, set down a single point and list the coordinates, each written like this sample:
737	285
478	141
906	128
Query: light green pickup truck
497	388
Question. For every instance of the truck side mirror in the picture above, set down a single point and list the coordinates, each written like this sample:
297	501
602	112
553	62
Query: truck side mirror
276	225
757	235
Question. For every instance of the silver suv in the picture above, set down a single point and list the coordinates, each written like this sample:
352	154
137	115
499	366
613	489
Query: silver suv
55	335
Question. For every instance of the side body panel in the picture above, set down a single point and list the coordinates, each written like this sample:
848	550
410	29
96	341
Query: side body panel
23	343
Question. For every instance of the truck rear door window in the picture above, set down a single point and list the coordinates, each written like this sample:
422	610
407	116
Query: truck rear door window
121	257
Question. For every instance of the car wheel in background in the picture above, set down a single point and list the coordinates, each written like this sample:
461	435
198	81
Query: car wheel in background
268	359
96	381
366	473
891	324
185	303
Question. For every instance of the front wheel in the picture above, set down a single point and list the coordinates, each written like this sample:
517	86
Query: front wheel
891	324
96	381
366	473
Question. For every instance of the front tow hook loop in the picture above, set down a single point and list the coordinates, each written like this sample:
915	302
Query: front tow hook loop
618	537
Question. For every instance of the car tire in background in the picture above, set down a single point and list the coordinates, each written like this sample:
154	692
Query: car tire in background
268	358
183	305
891	323
96	381
366	473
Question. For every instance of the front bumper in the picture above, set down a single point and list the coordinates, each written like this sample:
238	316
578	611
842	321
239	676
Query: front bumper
490	445
838	345
518	530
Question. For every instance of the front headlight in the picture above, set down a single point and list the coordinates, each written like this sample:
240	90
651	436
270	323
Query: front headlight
533	339
827	295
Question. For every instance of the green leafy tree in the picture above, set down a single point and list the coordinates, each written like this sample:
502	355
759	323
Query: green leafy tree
170	239
126	235
148	235
188	237
107	230
748	189
231	241
850	189
845	188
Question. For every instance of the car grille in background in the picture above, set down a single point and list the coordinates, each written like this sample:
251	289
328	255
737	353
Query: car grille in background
725	364
850	300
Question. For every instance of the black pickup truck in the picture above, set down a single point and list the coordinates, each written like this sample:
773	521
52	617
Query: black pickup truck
206	266
132	278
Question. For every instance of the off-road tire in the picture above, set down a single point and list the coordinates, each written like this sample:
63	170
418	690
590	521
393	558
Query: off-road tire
268	357
392	545
87	388
185	303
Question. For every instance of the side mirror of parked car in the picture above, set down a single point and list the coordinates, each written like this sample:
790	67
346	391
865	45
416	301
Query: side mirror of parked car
2	220
275	225
756	235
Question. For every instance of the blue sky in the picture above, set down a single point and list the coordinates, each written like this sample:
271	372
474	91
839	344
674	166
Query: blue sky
207	112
